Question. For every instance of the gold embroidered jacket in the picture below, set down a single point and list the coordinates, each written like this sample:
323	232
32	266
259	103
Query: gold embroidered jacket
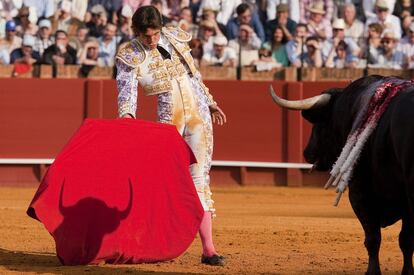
154	73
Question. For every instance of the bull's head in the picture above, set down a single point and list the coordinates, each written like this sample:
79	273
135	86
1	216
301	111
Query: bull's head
320	150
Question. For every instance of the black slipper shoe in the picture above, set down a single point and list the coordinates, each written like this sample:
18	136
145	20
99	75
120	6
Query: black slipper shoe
213	260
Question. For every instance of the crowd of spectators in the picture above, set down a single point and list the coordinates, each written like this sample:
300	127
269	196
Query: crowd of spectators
262	33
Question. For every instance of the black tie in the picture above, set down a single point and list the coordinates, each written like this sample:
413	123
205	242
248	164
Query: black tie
165	54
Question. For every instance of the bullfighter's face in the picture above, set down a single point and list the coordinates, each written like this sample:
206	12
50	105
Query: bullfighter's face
150	37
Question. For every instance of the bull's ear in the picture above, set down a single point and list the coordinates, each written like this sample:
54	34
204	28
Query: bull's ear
314	115
322	113
318	115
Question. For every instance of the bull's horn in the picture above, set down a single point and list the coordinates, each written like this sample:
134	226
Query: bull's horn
123	214
303	104
62	208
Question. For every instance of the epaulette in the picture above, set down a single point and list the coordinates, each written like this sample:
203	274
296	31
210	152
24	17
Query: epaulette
131	53
177	34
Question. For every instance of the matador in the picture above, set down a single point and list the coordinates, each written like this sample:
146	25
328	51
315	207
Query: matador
159	59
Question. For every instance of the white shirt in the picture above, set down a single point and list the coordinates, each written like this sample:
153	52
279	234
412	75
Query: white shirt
328	44
396	61
253	44
4	56
107	52
355	31
407	48
391	22
165	44
226	8
369	8
228	54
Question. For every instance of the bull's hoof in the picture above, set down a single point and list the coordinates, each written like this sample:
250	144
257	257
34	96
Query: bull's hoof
376	272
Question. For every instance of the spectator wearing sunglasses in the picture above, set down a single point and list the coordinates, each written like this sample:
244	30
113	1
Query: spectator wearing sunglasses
390	57
11	41
338	34
26	21
99	18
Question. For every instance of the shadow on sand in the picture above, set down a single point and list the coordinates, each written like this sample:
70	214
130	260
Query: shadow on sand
48	263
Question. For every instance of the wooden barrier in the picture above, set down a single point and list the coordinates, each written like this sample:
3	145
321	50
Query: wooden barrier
406	74
67	71
218	73
45	71
250	73
6	70
101	73
330	74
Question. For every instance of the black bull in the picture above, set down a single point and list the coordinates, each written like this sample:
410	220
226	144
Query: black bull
381	190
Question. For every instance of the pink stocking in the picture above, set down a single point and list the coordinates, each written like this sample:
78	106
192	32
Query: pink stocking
206	235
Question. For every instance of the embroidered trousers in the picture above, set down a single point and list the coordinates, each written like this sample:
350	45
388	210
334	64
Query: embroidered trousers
186	107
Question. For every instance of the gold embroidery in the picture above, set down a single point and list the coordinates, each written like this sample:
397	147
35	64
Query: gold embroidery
155	53
131	53
177	34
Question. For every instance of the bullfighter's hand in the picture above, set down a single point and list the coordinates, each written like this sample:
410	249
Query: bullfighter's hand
217	114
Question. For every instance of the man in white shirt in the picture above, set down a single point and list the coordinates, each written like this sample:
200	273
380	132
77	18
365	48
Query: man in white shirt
385	18
353	27
338	30
226	9
220	55
390	57
369	7
107	46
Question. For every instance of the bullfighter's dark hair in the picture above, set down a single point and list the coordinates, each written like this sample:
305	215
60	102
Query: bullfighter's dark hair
146	17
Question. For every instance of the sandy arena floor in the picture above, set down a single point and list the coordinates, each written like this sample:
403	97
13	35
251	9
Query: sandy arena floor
260	230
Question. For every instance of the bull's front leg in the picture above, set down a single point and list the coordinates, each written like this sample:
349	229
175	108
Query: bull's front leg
370	222
406	241
373	243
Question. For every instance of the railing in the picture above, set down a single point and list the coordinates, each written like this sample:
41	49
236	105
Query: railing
60	71
218	73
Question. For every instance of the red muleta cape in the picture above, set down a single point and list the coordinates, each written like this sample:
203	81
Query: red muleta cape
120	192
